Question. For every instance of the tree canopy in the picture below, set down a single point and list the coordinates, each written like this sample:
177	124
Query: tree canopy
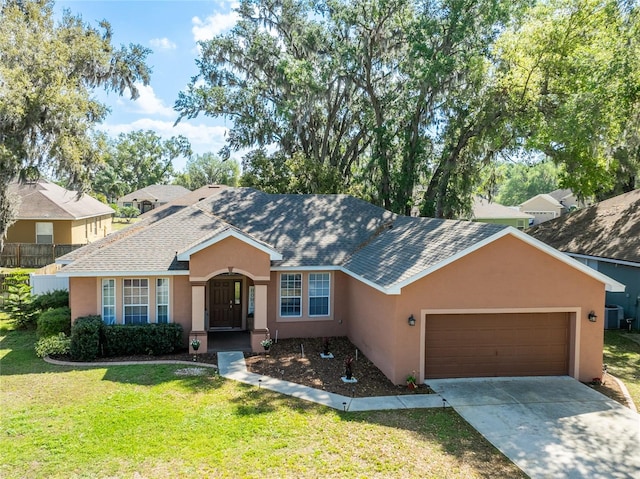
48	71
208	169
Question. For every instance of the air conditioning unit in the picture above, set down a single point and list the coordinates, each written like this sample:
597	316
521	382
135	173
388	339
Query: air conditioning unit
613	314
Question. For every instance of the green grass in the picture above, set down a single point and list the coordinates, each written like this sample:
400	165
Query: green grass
622	357
126	420
121	223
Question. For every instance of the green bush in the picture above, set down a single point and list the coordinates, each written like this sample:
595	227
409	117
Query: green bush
54	321
59	345
52	299
87	336
19	301
155	339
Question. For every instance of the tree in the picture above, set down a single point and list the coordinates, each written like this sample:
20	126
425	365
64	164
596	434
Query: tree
523	181
128	212
138	159
48	71
208	169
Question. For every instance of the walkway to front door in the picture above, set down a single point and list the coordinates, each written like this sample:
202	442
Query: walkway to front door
226	303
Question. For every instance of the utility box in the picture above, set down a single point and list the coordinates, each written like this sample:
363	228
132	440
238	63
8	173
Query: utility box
613	314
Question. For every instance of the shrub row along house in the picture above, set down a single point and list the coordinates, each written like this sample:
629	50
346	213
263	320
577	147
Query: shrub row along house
444	298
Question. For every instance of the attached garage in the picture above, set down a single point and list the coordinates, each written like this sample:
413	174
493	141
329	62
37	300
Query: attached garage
503	344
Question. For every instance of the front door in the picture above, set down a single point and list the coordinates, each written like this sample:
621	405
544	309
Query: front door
226	303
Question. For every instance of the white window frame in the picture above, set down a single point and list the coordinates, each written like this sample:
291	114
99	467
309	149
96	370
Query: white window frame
295	277
315	276
112	287
138	297
160	289
49	233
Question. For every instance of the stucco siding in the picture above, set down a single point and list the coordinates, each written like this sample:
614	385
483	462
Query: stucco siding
83	297
24	231
230	252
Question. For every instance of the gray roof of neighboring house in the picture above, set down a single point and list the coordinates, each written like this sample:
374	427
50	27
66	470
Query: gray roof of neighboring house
485	209
560	194
159	193
609	229
43	200
308	230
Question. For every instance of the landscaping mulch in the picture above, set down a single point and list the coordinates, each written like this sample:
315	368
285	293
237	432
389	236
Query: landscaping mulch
285	360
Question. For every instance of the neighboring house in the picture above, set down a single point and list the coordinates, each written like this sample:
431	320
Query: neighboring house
440	297
485	211
50	214
606	237
543	207
567	199
150	197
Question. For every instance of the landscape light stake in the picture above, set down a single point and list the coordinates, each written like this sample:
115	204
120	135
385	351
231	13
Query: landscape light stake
444	403
344	406
259	383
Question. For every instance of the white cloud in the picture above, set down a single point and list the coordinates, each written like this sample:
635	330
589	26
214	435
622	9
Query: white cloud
162	43
212	25
149	104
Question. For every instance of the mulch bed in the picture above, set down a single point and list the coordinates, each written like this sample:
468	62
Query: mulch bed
285	360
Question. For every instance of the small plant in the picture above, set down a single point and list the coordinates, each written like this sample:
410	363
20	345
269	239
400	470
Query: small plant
411	380
348	367
195	344
59	345
266	343
325	346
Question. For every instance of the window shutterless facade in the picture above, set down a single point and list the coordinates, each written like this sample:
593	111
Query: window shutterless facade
109	301
162	300
319	293
291	294
135	296
44	233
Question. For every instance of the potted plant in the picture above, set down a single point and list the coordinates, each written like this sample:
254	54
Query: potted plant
266	343
411	380
195	345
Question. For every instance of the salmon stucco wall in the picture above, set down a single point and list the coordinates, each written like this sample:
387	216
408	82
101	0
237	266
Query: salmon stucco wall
230	252
83	297
373	324
506	274
181	305
335	324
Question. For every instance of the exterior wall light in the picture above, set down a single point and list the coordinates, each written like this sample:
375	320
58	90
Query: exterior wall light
412	320
592	316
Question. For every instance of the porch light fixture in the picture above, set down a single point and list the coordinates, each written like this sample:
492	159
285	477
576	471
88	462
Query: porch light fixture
592	316
412	320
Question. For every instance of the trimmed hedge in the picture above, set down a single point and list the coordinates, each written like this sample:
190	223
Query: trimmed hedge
87	336
59	345
54	321
151	339
91	338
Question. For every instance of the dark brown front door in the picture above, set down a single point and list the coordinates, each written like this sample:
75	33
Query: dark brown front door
226	303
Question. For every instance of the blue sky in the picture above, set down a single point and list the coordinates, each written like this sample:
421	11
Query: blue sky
171	29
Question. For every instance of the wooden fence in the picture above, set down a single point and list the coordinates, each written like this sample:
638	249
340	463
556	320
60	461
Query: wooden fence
28	255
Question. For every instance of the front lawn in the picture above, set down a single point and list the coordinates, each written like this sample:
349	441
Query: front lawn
622	357
146	421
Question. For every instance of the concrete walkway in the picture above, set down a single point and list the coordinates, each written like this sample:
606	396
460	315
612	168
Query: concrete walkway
231	365
550	427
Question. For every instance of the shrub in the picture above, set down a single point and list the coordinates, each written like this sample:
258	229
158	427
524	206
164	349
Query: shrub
54	321
87	335
19	301
126	340
59	345
53	299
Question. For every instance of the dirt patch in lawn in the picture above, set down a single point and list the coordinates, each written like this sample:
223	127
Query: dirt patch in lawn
285	360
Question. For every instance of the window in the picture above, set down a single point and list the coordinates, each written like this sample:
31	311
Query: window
44	233
136	301
109	301
290	294
162	300
319	288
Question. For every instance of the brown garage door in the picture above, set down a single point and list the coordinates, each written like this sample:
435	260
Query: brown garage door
476	345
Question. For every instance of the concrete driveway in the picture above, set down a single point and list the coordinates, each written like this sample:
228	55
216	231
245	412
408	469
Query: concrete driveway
551	427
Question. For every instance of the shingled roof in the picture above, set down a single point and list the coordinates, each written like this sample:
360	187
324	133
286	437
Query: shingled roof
609	229
45	200
159	193
326	231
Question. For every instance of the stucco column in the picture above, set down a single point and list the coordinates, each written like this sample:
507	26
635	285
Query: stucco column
197	317
260	330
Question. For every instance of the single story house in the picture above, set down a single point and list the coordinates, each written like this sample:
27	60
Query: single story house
485	211
50	214
542	207
568	200
443	298
151	197
606	237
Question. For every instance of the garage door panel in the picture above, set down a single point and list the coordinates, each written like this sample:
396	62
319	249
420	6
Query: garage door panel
513	344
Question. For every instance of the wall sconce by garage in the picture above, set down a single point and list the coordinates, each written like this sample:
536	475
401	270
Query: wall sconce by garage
592	316
411	320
